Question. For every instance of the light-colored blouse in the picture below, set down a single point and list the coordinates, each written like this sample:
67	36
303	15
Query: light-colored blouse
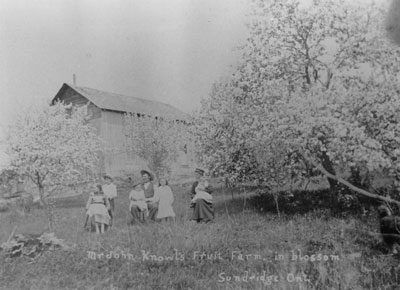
137	198
201	193
110	190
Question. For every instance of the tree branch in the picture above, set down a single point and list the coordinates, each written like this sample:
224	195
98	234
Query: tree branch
348	184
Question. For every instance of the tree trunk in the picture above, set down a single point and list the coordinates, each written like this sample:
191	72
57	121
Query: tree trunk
48	208
328	166
334	185
276	200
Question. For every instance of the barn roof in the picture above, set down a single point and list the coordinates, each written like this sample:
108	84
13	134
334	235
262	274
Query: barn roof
122	103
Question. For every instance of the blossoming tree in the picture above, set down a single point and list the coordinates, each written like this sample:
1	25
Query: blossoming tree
318	83
54	146
155	140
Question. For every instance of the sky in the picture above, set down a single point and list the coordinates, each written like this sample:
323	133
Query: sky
165	50
170	51
154	49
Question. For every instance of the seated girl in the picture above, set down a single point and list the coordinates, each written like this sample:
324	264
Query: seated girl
137	206
97	209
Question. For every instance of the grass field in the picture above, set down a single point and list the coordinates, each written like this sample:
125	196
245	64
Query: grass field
247	247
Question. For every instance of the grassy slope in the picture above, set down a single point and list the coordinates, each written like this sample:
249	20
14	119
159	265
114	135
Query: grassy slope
237	228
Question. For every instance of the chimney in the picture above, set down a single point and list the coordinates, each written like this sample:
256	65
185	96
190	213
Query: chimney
74	79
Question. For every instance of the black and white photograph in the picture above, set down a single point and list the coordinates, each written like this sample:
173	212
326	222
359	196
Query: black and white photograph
200	145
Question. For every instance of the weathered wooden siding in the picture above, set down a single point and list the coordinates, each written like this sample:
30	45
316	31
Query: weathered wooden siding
70	96
185	163
117	160
110	127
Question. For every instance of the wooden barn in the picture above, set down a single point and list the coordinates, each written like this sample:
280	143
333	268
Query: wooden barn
107	110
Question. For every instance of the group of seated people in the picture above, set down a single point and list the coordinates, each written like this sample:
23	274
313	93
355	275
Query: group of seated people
148	201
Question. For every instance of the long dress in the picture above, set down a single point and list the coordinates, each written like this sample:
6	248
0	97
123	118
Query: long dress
97	210
164	196
202	209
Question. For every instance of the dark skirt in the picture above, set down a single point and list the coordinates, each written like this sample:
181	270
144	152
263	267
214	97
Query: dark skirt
137	215
112	204
202	211
153	210
111	210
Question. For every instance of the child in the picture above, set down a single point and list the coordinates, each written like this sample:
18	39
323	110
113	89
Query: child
96	206
165	198
138	206
110	191
201	191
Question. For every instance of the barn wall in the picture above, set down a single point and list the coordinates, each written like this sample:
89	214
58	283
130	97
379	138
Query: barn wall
186	161
118	162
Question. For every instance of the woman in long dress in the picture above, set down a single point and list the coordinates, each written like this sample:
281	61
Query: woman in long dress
201	199
96	206
165	198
